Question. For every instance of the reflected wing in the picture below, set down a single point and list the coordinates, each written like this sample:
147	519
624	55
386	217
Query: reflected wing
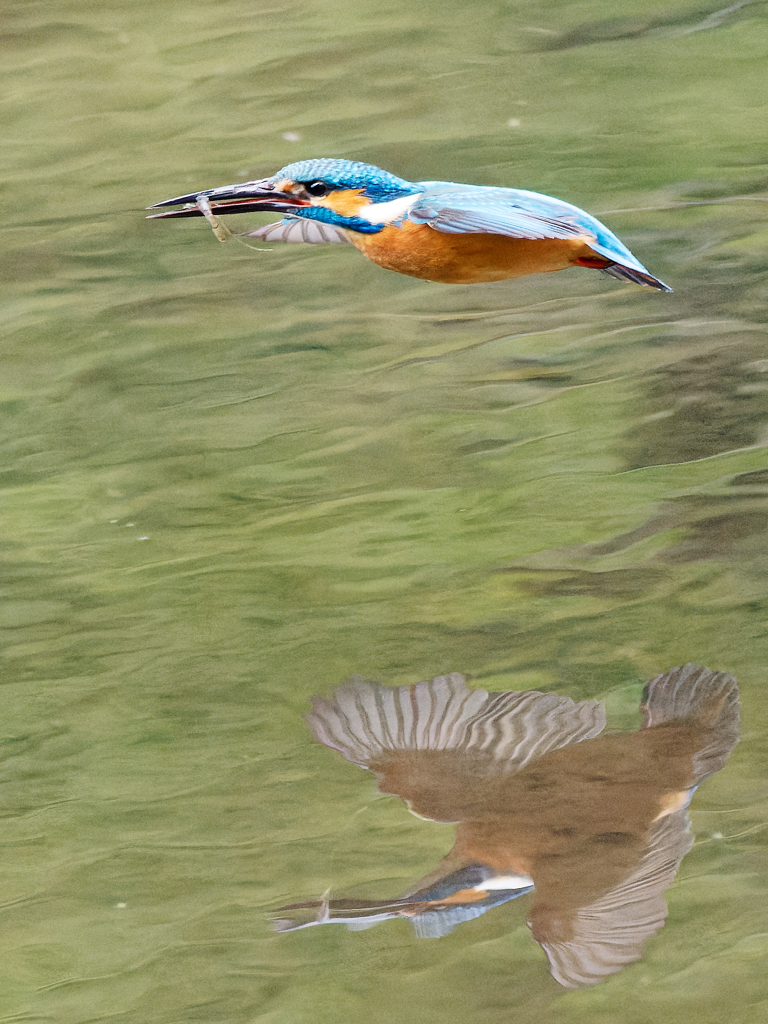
295	229
696	696
462	209
609	934
437	744
366	721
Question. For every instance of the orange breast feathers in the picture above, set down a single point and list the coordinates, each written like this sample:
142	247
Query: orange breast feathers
420	251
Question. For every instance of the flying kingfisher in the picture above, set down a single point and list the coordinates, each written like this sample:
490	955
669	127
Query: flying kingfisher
434	230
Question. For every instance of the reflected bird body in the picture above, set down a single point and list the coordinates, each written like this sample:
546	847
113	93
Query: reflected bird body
436	230
543	799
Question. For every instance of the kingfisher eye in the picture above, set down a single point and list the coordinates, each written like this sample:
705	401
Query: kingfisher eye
317	188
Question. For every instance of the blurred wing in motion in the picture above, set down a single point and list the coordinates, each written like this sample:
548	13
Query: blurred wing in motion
297	229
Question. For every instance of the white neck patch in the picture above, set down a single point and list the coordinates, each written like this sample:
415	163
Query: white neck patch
385	213
505	882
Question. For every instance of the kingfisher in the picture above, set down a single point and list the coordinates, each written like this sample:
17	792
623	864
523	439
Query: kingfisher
592	824
434	230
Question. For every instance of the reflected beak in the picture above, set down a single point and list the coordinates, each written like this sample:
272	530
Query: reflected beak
251	196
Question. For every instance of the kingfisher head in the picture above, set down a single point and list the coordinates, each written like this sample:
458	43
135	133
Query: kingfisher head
345	193
319	179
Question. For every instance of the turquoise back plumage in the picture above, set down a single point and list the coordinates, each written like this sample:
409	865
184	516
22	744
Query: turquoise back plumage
457	209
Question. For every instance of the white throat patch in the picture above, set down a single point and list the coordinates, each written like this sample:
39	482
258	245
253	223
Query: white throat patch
385	213
505	882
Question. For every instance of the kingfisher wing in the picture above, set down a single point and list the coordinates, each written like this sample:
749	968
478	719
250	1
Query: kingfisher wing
297	229
698	697
437	743
464	209
366	721
610	933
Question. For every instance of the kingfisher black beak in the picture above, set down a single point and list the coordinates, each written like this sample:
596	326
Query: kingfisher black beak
249	197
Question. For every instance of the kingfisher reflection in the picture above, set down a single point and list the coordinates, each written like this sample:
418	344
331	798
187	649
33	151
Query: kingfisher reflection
594	823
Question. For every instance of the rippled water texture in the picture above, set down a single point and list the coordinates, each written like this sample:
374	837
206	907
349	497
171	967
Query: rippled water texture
232	479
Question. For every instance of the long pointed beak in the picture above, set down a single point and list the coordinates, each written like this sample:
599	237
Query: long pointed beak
260	196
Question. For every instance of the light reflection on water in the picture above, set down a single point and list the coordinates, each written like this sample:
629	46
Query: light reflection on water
234	479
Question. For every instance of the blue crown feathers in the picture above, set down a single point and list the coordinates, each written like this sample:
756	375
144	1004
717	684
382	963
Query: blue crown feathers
377	184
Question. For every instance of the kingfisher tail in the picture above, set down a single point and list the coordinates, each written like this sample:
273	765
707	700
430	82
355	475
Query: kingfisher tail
635	276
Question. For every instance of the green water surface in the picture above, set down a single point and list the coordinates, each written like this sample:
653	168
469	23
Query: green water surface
231	479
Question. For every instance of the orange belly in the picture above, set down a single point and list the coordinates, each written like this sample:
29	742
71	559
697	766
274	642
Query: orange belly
420	251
